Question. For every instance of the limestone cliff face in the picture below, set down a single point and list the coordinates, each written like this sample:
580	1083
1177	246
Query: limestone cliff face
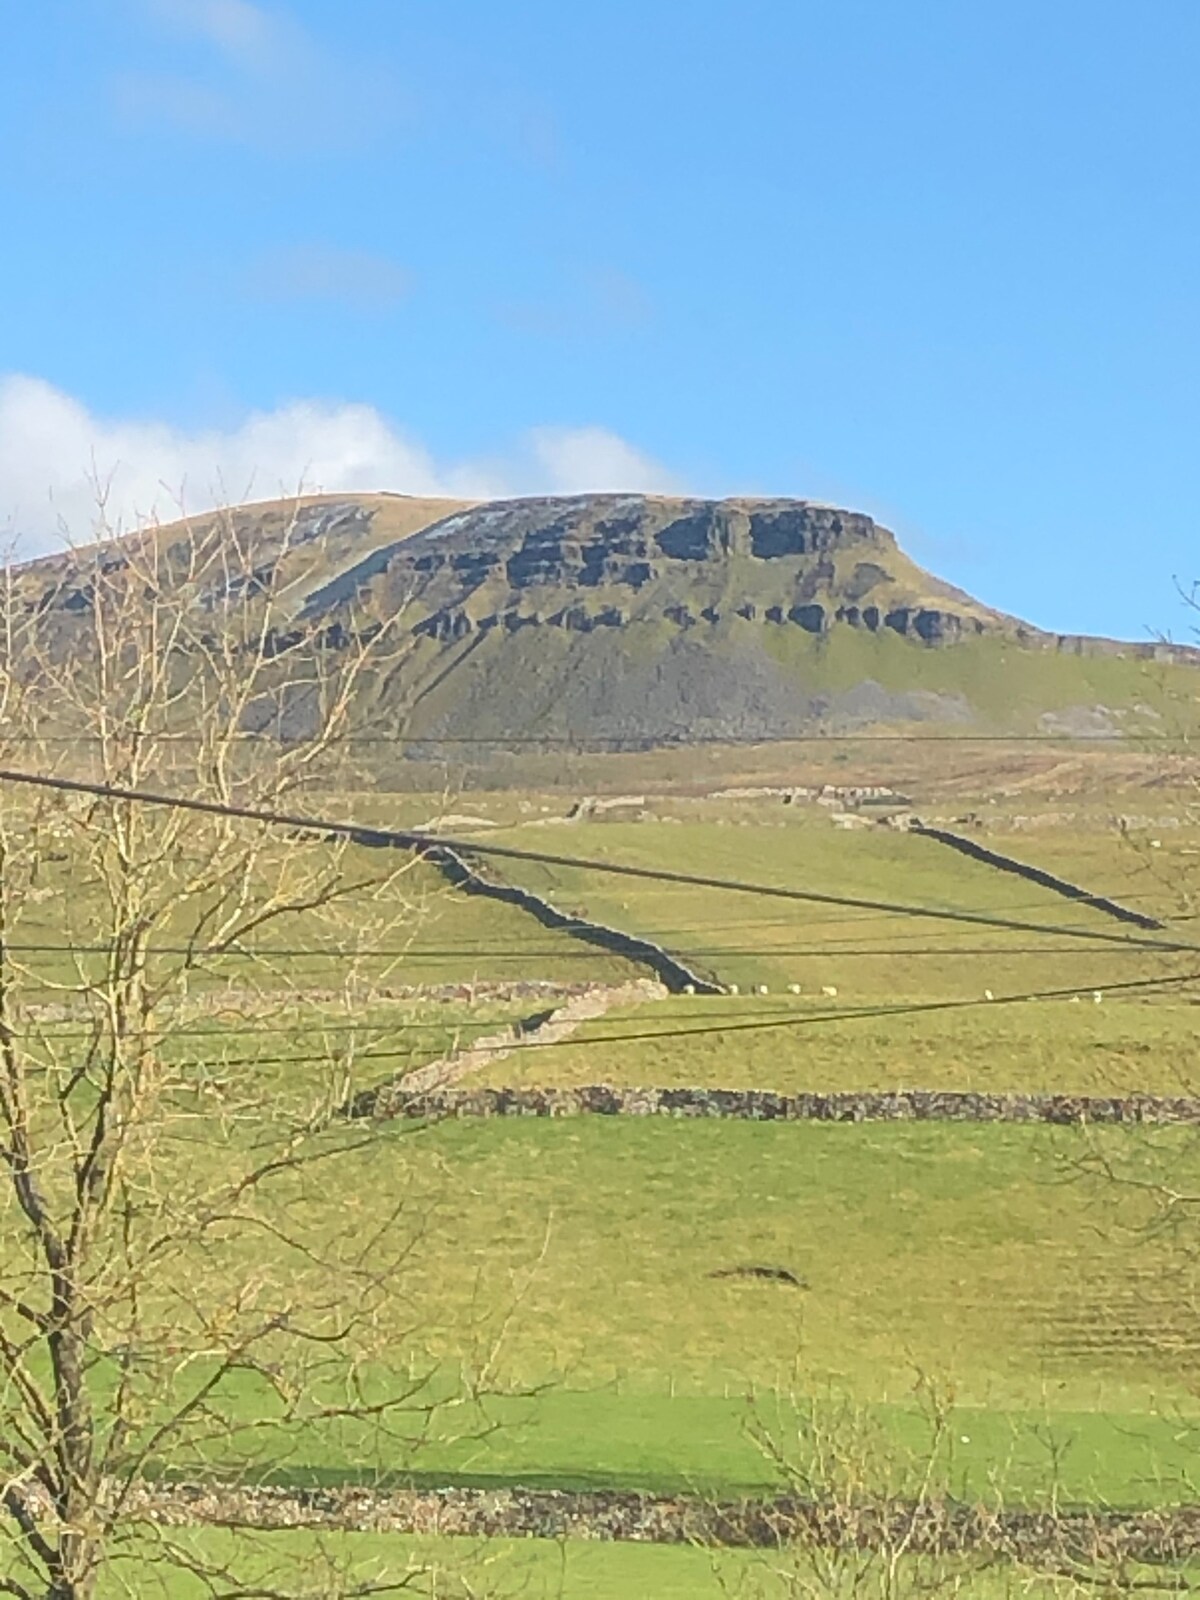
601	561
623	619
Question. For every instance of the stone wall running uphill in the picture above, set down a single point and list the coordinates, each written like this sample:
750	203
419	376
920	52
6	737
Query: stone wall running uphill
1038	875
459	871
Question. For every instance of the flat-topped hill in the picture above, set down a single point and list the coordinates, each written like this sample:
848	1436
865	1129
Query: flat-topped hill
640	619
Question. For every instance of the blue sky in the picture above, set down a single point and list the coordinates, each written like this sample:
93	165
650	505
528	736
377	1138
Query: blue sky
936	260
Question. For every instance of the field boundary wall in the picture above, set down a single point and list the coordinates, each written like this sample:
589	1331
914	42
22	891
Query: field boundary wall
939	1527
1038	875
458	870
763	1105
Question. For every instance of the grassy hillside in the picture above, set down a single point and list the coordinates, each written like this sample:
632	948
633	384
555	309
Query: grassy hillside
648	682
977	1257
581	1263
639	619
871	955
305	540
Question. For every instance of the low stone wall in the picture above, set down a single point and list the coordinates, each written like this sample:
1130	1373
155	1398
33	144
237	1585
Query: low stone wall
1022	869
934	1527
762	1105
546	1028
458	870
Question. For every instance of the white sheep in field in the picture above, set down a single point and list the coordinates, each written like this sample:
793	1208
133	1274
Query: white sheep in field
829	990
793	988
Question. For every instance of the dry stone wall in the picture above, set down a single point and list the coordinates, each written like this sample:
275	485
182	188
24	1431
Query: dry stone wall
1022	869
762	1105
547	1028
458	870
931	1527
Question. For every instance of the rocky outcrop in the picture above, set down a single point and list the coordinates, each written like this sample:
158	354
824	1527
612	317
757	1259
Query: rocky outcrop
930	626
922	624
801	529
596	561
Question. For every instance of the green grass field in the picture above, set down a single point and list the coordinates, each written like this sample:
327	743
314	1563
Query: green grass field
611	1439
819	1044
1045	1307
539	1569
397	925
867	954
975	1256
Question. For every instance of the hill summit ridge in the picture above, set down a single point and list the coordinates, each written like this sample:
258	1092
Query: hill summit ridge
588	561
625	619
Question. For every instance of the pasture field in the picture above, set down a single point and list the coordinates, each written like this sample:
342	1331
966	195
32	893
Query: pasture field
822	1045
594	1268
867	954
977	1256
1135	1040
543	1569
396	926
1152	863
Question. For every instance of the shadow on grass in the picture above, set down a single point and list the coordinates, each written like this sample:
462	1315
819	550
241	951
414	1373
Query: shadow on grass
310	1478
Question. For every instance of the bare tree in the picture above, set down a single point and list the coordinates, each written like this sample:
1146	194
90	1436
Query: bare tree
855	1517
864	1517
1157	1173
185	1290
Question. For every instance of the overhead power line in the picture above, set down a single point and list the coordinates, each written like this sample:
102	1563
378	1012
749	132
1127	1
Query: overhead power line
908	1008
510	952
277	1027
629	743
757	1025
426	902
431	844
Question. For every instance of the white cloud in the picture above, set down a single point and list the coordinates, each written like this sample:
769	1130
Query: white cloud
575	460
53	450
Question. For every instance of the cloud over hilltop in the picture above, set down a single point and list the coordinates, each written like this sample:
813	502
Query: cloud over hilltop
55	454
